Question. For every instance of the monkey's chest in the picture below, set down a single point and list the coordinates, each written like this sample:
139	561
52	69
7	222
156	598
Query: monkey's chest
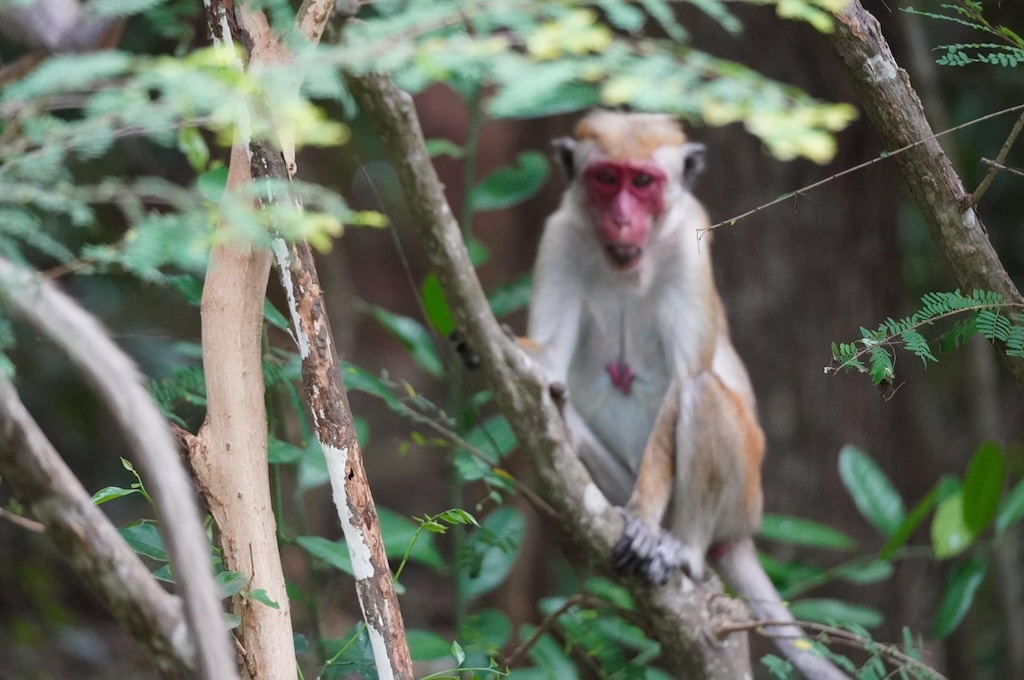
617	380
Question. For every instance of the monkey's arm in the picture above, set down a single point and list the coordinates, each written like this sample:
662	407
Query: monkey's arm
645	547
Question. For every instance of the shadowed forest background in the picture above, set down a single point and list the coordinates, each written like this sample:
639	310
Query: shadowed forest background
795	277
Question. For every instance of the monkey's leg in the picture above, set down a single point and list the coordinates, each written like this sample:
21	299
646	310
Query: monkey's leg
717	496
704	456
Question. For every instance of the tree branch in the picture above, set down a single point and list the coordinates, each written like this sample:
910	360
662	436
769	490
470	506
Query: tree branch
893	106
41	480
325	392
679	617
230	459
116	382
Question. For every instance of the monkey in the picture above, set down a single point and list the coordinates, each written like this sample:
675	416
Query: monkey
660	407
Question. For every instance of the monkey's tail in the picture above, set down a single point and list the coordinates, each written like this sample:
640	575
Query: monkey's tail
742	572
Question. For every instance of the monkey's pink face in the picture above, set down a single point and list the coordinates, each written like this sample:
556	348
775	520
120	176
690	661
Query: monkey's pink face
625	197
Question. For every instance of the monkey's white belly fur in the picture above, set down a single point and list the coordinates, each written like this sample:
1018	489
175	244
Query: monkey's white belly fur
622	420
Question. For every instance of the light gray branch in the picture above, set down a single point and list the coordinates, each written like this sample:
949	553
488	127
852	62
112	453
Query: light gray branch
893	106
677	616
38	477
116	382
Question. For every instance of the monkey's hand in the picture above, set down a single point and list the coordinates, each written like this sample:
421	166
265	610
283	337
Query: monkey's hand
652	553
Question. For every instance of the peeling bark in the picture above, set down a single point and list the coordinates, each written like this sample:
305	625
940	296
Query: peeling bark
324	389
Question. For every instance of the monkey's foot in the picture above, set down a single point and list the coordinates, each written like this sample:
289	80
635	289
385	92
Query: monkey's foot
653	554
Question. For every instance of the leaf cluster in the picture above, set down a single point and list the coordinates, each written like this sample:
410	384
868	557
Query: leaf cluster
984	312
536	59
962	510
1008	52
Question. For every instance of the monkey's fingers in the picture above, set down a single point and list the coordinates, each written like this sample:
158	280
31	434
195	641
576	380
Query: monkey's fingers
653	554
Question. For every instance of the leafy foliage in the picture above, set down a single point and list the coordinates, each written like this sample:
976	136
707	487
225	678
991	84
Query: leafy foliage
539	59
516	59
986	313
1007	53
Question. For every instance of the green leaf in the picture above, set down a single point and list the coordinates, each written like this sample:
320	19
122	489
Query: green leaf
487	630
281	452
436	305
983	486
230	582
190	287
549	655
511	298
945	487
262	597
804	532
426	645
110	493
508	186
548	92
457	652
950	535
333	553
212	183
274	317
413	336
478	253
192	144
492	550
872	492
358	379
958	594
163	573
493	438
610	591
832	612
1012	509
145	539
863	574
313	467
444	147
457	516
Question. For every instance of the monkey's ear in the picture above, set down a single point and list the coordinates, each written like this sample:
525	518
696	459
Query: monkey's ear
693	161
565	147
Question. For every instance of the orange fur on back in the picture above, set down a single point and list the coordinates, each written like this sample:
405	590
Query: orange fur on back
630	136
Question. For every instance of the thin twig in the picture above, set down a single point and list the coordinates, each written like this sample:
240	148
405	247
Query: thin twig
973	199
885	156
998	166
544	627
23	522
834	635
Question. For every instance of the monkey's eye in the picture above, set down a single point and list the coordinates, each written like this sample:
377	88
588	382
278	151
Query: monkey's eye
642	180
606	177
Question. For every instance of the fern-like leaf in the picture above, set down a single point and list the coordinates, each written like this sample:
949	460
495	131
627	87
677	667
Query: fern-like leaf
882	368
916	343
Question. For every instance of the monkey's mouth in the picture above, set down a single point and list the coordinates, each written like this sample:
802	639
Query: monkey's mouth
623	255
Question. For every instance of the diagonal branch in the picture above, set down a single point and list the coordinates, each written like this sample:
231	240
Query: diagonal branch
679	619
116	382
890	101
42	481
